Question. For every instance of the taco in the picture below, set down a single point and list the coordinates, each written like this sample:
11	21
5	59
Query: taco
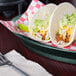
63	25
39	24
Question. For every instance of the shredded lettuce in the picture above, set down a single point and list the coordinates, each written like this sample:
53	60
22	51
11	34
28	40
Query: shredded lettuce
39	24
40	29
35	30
68	20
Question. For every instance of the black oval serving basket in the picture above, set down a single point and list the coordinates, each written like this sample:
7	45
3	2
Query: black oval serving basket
48	51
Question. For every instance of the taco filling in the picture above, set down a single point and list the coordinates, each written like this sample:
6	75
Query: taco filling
40	29
66	27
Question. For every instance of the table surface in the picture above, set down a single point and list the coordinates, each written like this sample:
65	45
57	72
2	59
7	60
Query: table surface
8	41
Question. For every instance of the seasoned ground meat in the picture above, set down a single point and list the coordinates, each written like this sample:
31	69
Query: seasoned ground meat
43	37
60	38
67	38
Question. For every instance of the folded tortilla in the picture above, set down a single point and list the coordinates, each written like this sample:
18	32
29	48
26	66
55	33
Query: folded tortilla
63	25
39	24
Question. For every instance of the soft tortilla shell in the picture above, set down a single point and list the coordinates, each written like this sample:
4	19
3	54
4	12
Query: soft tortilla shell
59	12
42	13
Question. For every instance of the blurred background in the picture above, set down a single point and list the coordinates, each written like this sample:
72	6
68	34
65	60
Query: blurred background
11	8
